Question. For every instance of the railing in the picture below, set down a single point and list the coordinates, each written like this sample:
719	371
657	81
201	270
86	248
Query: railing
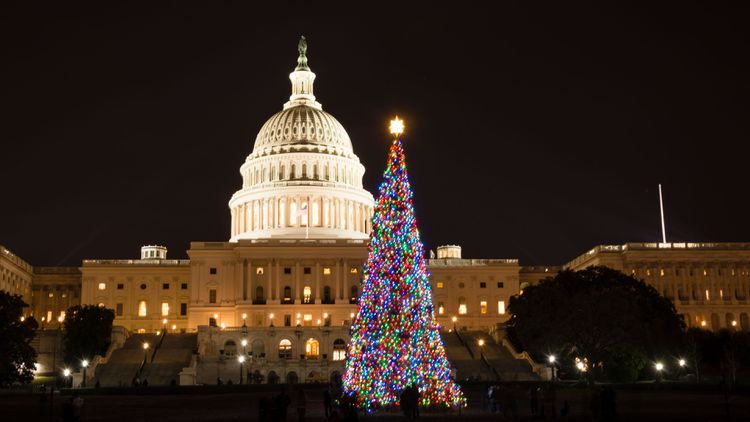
461	339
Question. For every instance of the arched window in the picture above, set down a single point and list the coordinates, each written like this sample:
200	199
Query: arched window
287	294
259	296
142	309
354	294
327	294
715	322
744	323
461	305
339	349
307	294
292	378
230	348
285	349
312	348
273	377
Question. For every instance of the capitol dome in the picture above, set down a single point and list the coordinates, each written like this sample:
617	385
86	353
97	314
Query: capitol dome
302	179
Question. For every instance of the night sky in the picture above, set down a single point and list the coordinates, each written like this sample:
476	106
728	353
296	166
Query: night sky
533	132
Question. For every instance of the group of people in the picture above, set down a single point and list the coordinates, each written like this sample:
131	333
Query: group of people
410	402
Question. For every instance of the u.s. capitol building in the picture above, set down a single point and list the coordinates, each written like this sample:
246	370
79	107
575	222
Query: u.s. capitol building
286	282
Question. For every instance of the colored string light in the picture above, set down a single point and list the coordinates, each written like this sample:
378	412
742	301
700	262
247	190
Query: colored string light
395	339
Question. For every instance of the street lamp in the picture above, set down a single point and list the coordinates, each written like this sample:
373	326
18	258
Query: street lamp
270	316
66	374
84	364
454	319
659	367
145	352
682	363
241	359
244	345
551	359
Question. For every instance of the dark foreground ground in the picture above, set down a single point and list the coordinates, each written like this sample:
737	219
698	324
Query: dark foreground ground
241	404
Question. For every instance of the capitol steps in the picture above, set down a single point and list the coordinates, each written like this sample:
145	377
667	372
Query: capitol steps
489	362
165	358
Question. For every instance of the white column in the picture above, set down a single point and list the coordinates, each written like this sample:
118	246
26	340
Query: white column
317	281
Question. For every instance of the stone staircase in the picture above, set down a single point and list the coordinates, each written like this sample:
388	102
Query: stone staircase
490	362
159	365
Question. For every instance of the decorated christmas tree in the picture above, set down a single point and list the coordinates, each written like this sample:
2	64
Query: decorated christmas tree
395	339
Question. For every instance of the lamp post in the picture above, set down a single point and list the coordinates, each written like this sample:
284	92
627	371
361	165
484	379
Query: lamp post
241	359
270	317
454	319
244	346
84	365
481	346
551	360
164	321
66	375
659	367
145	352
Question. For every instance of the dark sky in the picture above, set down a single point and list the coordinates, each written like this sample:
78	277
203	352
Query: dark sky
534	132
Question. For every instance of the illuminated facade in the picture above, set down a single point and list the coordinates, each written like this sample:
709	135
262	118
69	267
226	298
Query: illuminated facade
288	277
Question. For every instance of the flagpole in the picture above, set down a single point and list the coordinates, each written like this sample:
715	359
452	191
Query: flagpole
661	209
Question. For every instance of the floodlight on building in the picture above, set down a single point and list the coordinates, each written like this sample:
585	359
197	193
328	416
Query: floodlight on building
270	316
325	315
60	319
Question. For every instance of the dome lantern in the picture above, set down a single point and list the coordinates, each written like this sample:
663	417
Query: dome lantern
302	81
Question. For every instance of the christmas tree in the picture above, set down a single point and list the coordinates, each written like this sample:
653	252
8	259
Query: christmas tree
395	339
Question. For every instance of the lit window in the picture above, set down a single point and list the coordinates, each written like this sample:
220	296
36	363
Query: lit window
164	309
721	293
439	284
102	286
307	293
51	295
326	271
259	271
315	214
312	348
441	308
353	270
661	272
339	349
705	273
285	349
142	308
483	307
101	304
462	309
49	315
708	295
648	272
308	317
62	313
501	307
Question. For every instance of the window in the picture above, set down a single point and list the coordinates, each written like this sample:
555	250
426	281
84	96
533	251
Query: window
287	270
212	270
462	309
482	285
118	309
165	286
501	307
353	270
49	316
439	284
287	294
259	271
102	286
339	349
708	295
308	319
306	294
285	349
212	296
306	270
327	294
500	285
287	320
183	309
312	348
441	308
461	285
661	272
354	294
326	271
483	307
183	286
120	286
164	309
143	286
142	310
51	295
230	348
